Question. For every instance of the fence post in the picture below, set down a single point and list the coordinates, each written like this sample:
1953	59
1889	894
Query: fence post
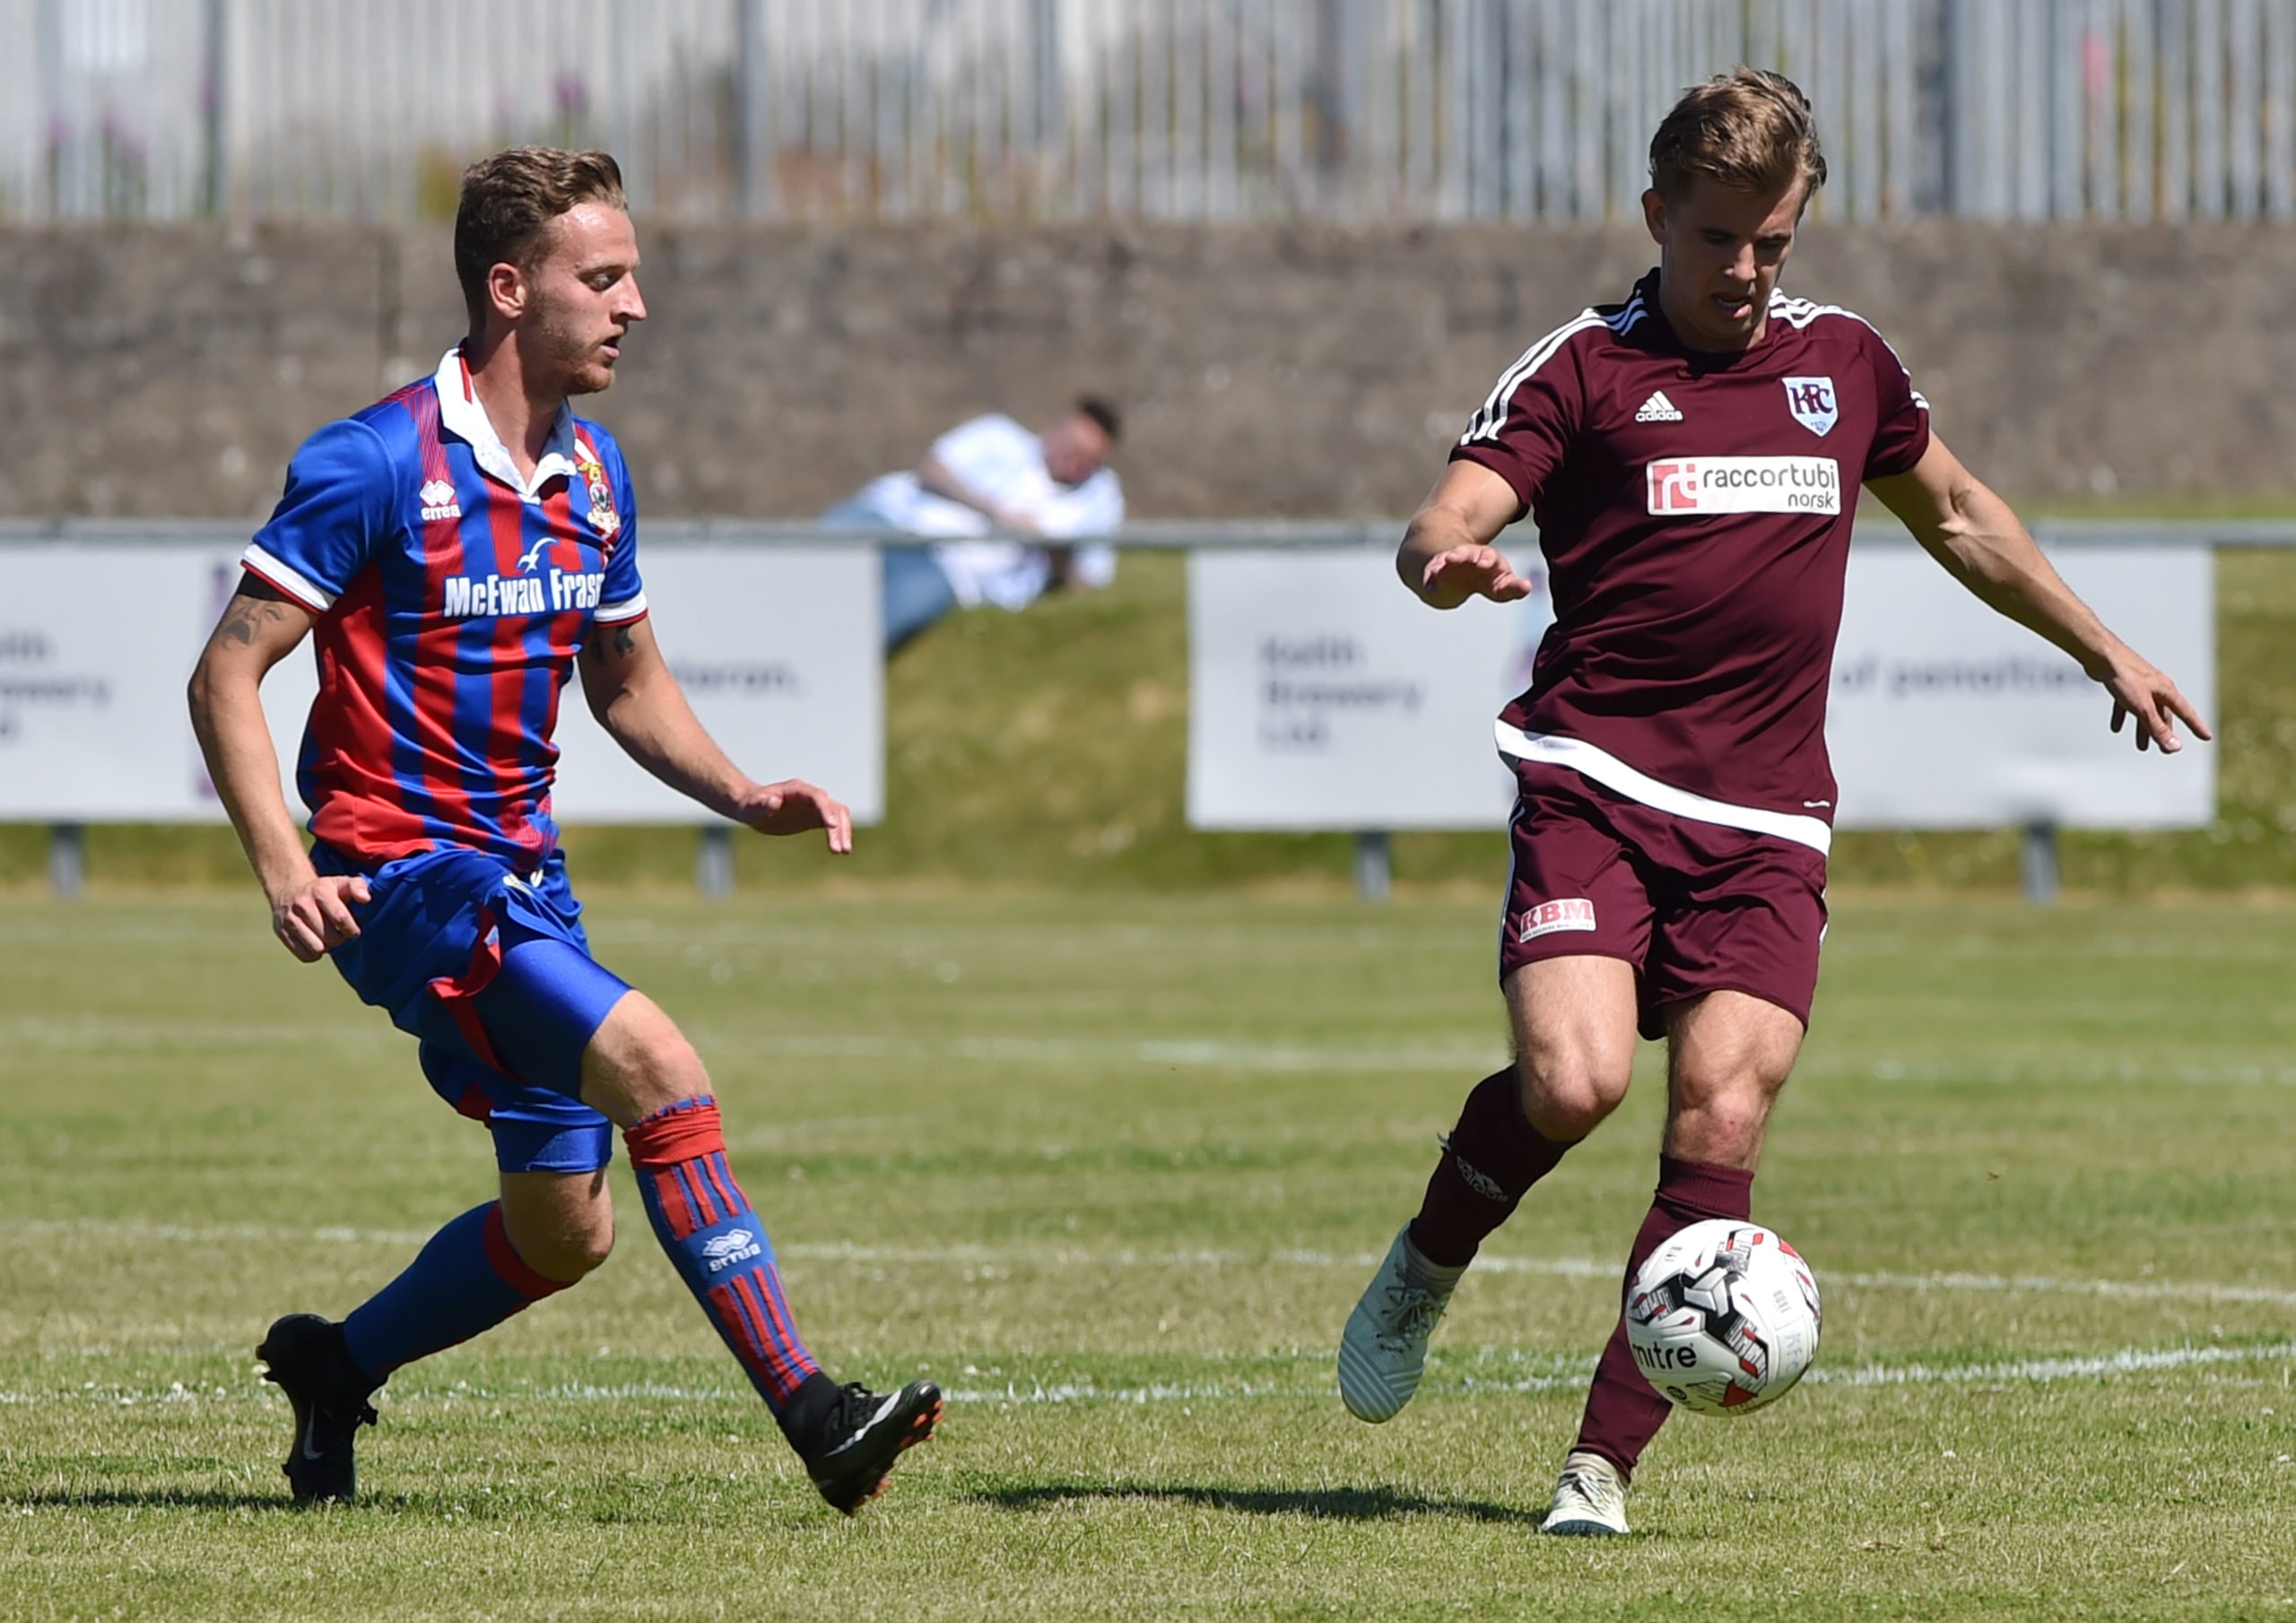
1375	873
67	860
713	866
214	124
2037	864
1046	90
752	113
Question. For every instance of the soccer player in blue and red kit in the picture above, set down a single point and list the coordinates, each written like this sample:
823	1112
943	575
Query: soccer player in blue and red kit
1693	456
457	551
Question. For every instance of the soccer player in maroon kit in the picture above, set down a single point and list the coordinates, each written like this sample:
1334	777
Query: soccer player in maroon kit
1691	457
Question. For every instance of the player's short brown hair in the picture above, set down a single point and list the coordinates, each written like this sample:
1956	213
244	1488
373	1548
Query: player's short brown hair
1748	129
510	199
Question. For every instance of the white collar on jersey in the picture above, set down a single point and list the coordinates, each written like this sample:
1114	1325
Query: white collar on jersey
461	415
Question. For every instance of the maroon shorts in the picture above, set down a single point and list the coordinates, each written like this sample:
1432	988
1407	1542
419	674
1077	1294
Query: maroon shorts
1694	907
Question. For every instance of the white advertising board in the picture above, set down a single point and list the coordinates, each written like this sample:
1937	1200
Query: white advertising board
781	653
1946	715
1324	696
779	648
96	643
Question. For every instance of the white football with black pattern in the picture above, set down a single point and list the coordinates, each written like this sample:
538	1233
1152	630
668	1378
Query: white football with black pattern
1723	1318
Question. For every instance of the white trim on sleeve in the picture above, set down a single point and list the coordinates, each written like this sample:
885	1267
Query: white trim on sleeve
1612	773
1490	418
613	614
287	578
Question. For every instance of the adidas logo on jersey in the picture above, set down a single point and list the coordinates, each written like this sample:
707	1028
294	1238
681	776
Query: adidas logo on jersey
438	499
1659	408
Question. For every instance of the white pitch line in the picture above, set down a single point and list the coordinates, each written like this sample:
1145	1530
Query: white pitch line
213	1234
1079	1256
2127	1361
2002	1072
1208	1053
1212	1054
1572	1374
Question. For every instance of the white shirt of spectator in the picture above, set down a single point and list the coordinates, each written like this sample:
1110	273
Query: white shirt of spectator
1005	462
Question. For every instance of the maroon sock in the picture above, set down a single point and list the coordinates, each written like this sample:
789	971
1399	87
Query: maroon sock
1490	1162
1623	1413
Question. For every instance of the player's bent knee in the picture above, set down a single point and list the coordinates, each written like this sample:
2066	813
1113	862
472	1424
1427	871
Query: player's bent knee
1737	1093
568	1258
1722	1126
1566	1101
639	1063
563	1251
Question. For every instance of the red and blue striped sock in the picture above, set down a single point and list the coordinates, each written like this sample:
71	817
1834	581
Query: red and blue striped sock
704	1221
467	1279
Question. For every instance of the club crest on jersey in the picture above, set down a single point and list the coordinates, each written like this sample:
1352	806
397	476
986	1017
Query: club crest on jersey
604	519
1812	401
437	498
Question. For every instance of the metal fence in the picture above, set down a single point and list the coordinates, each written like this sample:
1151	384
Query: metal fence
1155	109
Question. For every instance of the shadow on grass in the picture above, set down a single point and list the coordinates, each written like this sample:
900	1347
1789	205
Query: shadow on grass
1318	1503
149	1498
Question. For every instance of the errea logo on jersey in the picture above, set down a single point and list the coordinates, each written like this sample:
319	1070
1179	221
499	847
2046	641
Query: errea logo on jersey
437	498
1694	486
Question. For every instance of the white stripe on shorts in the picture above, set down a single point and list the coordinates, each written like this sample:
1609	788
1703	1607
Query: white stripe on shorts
1612	773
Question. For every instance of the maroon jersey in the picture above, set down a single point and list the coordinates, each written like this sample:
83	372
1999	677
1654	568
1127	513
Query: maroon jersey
1694	509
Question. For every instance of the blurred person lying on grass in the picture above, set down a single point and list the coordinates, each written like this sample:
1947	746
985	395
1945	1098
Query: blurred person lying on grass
982	484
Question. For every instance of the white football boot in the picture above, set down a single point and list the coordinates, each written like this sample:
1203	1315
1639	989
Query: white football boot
1589	1501
1384	1347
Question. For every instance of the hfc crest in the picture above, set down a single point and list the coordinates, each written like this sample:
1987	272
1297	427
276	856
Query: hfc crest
1812	401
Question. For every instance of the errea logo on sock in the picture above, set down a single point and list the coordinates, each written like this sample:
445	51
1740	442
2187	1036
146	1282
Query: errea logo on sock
735	1245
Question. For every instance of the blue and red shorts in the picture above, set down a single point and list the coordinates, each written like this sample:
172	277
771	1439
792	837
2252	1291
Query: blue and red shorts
1694	907
492	972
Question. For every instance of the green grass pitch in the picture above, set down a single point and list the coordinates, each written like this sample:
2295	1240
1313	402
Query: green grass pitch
1113	1169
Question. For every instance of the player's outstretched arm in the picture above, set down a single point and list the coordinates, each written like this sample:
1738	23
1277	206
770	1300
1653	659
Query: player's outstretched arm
936	476
1447	556
635	697
1970	530
260	626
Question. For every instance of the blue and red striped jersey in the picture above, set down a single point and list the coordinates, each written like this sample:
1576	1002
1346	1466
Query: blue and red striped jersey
452	596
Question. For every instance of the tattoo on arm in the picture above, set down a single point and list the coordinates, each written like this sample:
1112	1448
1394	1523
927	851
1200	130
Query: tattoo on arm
623	643
244	616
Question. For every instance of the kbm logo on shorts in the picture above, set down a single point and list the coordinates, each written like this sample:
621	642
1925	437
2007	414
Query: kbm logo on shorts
1547	917
1744	484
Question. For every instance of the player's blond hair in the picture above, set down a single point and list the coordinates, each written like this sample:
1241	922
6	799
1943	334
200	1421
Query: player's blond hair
1748	129
508	201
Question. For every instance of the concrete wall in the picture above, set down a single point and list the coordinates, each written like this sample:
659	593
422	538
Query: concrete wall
155	371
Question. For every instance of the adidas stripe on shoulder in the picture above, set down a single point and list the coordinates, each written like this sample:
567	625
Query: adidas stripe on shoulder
1490	417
